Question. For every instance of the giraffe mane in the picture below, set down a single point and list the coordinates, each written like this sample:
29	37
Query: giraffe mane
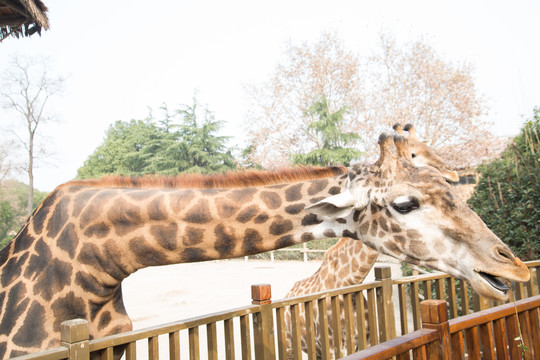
224	180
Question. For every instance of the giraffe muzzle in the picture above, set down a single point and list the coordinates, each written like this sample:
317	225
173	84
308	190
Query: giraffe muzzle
494	282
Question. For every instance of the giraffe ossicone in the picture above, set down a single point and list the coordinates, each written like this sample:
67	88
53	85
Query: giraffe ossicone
69	259
423	155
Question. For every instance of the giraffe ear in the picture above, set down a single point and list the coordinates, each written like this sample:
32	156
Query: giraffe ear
336	206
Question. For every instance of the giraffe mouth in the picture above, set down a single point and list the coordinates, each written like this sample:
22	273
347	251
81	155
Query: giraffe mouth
494	282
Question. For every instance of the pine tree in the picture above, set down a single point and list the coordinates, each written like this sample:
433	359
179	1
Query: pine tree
334	145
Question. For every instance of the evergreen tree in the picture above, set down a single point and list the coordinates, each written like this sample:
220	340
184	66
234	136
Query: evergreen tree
181	142
13	211
334	145
126	150
508	193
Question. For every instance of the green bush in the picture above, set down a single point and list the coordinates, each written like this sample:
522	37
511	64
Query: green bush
507	197
13	212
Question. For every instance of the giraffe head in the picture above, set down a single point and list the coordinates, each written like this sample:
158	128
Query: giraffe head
422	155
411	213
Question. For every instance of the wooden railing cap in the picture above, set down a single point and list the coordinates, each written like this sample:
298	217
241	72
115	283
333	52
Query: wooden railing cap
75	330
261	294
433	311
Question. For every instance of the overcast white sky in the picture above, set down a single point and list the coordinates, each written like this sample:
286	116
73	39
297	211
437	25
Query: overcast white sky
122	57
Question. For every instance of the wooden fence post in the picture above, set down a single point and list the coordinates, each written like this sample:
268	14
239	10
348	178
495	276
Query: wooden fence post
435	316
385	304
75	337
480	303
263	323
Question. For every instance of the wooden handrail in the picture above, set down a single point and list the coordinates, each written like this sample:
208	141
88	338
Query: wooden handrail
396	346
442	339
488	315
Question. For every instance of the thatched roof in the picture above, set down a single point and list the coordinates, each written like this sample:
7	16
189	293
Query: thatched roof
22	18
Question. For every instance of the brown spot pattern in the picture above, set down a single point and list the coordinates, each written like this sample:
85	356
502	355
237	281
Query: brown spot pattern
199	213
294	193
247	214
192	236
280	226
166	235
317	186
225	207
271	200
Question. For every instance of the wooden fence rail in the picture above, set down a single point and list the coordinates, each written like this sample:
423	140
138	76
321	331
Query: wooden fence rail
488	334
258	331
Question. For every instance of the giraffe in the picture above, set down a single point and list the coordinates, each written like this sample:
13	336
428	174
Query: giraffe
344	264
69	259
348	262
423	155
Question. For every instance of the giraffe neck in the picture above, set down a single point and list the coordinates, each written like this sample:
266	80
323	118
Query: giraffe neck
112	232
346	263
351	264
74	251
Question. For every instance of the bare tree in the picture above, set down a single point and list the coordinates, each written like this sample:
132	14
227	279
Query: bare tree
407	83
278	118
26	89
7	166
411	83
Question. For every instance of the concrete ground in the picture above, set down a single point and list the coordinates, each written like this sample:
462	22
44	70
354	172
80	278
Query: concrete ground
163	294
160	295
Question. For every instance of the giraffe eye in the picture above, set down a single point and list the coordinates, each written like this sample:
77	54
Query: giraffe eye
405	206
413	155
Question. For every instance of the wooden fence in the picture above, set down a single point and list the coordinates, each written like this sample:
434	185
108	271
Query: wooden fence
258	330
507	331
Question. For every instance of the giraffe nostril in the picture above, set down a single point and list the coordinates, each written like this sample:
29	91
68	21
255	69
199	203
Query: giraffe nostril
505	254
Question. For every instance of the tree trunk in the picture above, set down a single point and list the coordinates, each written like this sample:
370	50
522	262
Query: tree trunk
30	200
